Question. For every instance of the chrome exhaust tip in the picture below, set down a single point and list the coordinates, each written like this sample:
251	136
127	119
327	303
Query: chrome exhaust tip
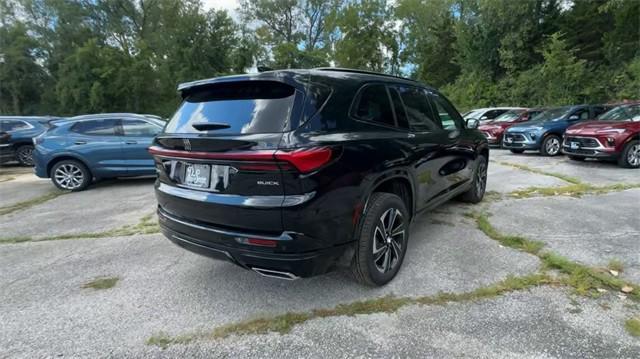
275	274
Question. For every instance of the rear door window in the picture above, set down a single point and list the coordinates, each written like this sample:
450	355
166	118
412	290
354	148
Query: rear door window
139	128
372	105
421	118
101	127
244	107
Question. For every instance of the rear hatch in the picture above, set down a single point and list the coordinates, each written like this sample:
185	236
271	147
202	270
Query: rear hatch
217	158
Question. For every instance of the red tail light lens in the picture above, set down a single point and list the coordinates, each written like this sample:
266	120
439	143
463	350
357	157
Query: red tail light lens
306	159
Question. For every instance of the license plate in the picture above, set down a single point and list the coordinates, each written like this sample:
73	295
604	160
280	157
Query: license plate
574	145
197	176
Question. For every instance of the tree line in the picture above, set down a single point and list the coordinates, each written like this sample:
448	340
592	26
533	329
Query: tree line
67	57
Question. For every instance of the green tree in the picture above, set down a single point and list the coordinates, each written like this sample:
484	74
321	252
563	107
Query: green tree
22	80
366	34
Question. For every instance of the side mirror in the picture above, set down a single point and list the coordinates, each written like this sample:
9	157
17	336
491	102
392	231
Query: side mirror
574	118
472	123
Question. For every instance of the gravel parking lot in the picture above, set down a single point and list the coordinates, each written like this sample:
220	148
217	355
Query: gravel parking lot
157	300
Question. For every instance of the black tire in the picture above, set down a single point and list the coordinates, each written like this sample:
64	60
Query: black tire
479	183
630	157
577	158
517	151
24	155
78	175
391	248
551	146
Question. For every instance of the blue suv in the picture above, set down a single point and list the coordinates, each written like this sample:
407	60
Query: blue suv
76	150
544	132
21	131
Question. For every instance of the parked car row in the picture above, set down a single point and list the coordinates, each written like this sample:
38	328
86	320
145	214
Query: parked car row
585	131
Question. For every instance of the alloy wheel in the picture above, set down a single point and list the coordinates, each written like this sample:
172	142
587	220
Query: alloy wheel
69	176
25	155
553	146
633	156
388	240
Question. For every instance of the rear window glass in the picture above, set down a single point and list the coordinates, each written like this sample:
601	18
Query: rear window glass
103	127
245	107
373	106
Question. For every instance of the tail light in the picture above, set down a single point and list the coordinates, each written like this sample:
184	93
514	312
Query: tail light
305	160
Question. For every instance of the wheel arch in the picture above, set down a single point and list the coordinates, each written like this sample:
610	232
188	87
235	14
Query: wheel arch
64	157
398	183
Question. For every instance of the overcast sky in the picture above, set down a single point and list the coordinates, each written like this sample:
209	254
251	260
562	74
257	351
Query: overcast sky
229	5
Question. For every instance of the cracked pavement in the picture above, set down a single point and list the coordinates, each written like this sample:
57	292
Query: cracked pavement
44	311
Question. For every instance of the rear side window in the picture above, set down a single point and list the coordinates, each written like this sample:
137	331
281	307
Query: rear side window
103	127
246	107
449	117
139	128
373	105
415	101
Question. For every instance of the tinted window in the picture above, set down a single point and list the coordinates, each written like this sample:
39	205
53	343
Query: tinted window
373	105
13	125
418	110
246	107
449	117
139	128
399	108
490	115
622	113
583	114
104	127
599	110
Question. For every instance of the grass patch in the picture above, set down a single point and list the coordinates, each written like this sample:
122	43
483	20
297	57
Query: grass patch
285	323
101	283
561	176
573	190
615	265
632	326
585	280
147	225
31	202
516	242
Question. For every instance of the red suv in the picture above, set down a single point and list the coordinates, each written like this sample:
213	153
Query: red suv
615	135
494	130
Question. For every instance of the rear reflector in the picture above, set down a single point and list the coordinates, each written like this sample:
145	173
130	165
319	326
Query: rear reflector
257	242
304	159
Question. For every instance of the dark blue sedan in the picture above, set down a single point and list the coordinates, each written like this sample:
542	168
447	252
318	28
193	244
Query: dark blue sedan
74	151
21	131
544	132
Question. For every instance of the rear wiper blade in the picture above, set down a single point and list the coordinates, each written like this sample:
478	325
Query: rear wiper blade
207	126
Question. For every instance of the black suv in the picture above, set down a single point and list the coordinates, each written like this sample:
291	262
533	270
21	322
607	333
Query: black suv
291	172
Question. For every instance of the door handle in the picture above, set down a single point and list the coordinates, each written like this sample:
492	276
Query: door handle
80	142
130	142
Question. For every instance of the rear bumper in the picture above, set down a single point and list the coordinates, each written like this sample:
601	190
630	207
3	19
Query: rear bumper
227	245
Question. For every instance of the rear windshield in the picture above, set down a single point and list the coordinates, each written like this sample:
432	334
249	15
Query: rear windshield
240	108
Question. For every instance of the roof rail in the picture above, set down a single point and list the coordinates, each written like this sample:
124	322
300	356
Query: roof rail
341	69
